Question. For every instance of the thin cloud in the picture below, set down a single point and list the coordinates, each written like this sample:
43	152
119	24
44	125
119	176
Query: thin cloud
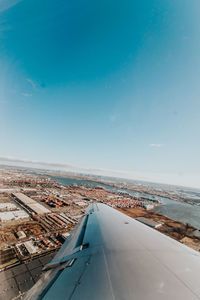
25	160
113	118
6	4
32	83
156	145
27	95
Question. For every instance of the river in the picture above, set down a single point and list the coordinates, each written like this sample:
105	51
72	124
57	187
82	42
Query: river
176	210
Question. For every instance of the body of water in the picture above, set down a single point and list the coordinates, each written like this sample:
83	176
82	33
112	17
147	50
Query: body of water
182	212
175	210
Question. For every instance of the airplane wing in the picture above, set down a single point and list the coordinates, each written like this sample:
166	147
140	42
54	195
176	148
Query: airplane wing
112	256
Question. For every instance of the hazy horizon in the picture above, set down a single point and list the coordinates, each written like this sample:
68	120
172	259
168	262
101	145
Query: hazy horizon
57	167
103	85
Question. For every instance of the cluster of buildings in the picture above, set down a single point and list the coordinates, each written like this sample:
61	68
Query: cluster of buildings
118	201
38	245
55	202
9	212
29	204
47	211
36	216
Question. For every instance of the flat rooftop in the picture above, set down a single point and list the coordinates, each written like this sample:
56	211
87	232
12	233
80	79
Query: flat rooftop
149	222
32	204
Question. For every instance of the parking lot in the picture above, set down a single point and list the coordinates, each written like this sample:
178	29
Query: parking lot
17	280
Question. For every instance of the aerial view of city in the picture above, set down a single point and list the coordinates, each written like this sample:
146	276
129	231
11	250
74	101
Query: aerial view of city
39	209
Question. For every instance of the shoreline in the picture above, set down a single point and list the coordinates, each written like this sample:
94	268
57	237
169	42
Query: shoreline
120	185
182	233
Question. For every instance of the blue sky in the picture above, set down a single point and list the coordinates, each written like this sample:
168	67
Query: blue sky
103	84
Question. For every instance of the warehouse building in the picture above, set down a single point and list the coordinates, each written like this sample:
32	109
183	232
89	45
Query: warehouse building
13	215
30	204
149	222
